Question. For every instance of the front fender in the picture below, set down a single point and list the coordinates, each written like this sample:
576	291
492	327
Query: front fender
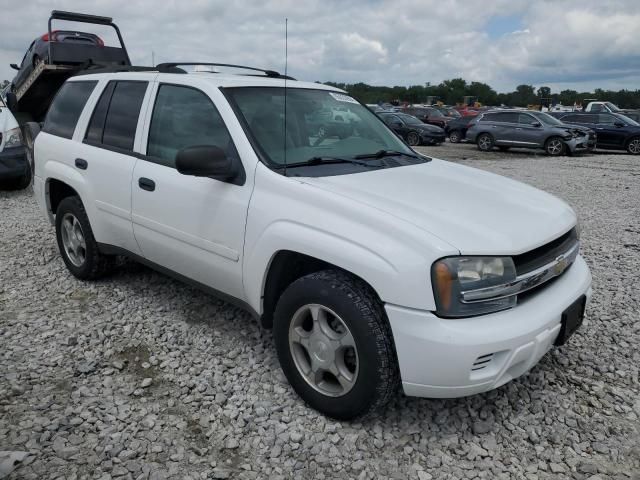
403	283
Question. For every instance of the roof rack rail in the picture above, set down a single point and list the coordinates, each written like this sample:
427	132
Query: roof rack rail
90	67
173	66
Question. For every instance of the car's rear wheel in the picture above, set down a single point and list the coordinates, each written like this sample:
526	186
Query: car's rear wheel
335	345
554	146
413	139
455	136
633	146
485	142
76	242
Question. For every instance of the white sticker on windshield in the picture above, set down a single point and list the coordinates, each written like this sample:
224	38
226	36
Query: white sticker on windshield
341	97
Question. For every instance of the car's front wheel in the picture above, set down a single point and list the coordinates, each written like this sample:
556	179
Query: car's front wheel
335	345
554	146
633	146
455	136
76	242
485	142
413	139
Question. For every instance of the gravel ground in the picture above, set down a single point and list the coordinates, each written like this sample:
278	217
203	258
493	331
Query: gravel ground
138	376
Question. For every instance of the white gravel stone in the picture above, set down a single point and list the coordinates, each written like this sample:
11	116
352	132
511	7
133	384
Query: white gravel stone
78	359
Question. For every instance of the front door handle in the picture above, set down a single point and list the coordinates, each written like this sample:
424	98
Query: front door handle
81	163
146	184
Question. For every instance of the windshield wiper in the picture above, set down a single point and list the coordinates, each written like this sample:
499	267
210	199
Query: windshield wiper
388	153
330	160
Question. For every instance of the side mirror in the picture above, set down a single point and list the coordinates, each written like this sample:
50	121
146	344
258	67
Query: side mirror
619	124
14	66
206	161
536	124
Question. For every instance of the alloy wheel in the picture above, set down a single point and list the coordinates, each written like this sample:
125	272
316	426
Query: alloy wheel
634	146
555	147
73	240
323	350
484	142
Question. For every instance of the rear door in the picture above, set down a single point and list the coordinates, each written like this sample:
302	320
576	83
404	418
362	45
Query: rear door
105	157
191	225
503	126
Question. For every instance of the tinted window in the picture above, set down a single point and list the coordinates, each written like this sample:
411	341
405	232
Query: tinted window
184	117
580	119
526	119
504	117
606	118
122	116
96	124
390	119
66	108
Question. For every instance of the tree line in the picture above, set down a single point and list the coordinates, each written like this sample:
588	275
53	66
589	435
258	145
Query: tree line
453	91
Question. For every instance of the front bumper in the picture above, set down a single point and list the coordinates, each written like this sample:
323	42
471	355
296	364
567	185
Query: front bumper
439	358
432	138
579	144
13	163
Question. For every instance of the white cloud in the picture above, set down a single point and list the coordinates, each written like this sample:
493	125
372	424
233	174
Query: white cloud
570	43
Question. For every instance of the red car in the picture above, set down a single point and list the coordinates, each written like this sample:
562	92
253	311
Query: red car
429	115
466	111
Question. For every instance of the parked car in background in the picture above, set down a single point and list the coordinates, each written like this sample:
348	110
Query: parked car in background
456	129
38	51
412	130
375	108
527	129
467	111
430	115
448	111
615	131
15	171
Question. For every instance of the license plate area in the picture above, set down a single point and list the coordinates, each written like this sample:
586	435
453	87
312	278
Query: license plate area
572	318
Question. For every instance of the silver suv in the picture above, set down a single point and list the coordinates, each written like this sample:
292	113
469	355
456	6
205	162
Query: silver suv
528	129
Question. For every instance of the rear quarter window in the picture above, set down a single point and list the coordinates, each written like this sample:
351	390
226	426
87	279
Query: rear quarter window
66	108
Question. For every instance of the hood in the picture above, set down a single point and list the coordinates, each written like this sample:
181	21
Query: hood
476	212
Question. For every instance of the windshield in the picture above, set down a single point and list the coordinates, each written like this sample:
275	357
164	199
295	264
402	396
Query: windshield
409	119
320	123
612	107
546	118
627	120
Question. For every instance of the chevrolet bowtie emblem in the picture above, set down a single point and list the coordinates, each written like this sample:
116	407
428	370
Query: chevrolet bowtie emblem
561	265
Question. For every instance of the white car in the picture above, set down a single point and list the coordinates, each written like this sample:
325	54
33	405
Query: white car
375	266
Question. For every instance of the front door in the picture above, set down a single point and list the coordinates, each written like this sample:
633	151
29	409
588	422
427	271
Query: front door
191	225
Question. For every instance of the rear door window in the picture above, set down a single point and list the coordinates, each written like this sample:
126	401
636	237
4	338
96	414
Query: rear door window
115	117
66	108
606	118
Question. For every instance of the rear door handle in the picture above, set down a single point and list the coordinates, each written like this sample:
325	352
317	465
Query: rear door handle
81	163
146	184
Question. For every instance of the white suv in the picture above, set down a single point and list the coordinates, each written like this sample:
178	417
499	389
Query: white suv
373	264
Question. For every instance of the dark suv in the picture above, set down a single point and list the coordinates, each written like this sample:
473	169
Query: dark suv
528	129
615	131
412	130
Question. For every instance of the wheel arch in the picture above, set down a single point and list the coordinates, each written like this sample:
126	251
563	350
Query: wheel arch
287	266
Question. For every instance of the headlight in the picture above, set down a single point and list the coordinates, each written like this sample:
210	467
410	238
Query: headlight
13	138
456	279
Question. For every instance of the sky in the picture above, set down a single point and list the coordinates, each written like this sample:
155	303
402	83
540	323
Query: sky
576	44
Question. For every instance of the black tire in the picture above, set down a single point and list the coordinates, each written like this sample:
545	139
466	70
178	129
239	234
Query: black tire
413	139
485	142
19	183
633	146
504	149
95	264
455	136
554	146
377	377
